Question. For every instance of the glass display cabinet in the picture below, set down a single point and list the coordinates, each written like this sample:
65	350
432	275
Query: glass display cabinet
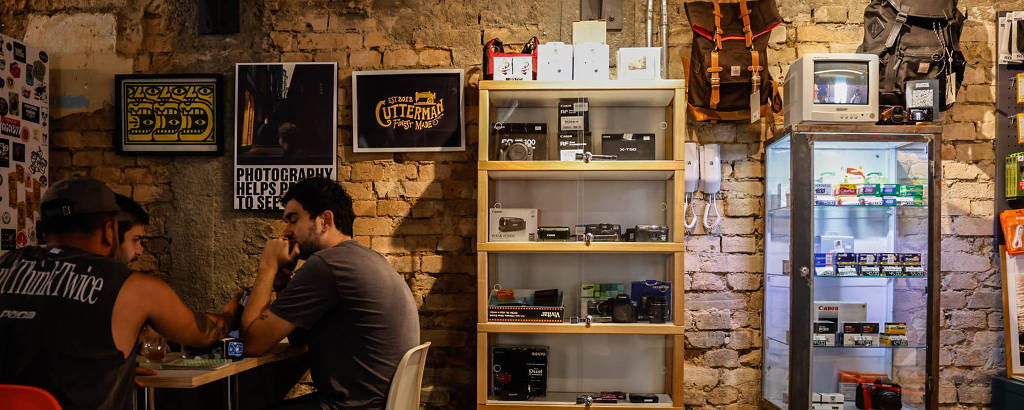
852	276
580	244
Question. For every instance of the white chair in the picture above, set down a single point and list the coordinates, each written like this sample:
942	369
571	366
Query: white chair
405	385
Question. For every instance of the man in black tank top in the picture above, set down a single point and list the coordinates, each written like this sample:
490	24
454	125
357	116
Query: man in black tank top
70	314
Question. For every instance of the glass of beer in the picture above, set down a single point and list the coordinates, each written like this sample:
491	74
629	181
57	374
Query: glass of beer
152	346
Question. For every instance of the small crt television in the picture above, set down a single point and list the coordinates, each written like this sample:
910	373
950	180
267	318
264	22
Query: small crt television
832	88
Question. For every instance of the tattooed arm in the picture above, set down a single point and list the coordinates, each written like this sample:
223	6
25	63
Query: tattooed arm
261	328
158	304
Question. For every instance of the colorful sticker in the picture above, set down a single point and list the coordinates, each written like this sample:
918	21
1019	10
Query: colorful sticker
6	218
3	63
43	56
19	52
10	127
22	239
18	151
5	154
38	163
7	239
15	70
40	92
14	101
30	113
38	70
28	80
3	106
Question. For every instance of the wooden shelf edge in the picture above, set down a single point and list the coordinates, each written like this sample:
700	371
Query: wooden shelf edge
572	247
501	406
583	85
661	165
566	328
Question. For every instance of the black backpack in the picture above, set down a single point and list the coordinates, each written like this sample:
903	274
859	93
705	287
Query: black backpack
915	40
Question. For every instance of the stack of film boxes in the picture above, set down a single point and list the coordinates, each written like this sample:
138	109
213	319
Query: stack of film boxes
827	401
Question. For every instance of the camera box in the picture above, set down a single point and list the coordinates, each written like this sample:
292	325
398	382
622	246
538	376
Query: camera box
553	233
896	328
857	339
825	327
823	265
628	147
840	312
525	307
519	372
890	264
639	63
912	264
573	115
846	264
574	143
824	339
892	340
512	225
640	290
520	141
554	62
513	68
590	62
868	264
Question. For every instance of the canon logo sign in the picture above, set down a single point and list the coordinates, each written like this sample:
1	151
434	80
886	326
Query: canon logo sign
836	308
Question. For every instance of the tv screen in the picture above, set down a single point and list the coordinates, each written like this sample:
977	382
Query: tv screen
841	82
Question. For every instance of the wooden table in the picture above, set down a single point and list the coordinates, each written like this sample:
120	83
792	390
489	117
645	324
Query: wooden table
192	378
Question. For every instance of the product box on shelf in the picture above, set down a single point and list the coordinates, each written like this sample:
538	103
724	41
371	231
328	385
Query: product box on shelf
573	114
554	62
519	372
912	264
826	406
513	68
823	264
840	312
512	225
652	296
824	333
525	305
892	340
553	233
890	263
846	264
628	147
868	264
570	144
824	189
896	328
639	63
590	62
520	141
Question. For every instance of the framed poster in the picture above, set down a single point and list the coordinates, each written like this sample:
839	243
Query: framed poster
286	129
24	140
408	111
168	114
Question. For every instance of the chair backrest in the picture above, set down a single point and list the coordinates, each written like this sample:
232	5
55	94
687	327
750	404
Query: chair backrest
405	385
18	397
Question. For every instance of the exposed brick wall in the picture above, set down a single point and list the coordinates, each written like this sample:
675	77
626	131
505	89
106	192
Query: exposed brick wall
419	209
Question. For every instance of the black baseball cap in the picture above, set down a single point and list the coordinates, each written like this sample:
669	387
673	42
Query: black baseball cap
78	195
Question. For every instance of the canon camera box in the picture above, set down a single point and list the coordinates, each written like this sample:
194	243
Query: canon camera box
512	225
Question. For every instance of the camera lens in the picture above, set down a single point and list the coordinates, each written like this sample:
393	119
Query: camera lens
518	152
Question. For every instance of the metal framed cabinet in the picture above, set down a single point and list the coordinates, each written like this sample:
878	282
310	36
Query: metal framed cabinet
851	237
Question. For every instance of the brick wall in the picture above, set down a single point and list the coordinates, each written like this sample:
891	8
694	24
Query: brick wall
419	209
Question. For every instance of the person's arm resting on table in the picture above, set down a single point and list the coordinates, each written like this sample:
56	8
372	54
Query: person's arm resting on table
261	328
170	317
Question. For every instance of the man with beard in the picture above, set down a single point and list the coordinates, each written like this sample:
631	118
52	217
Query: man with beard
131	225
70	314
355	311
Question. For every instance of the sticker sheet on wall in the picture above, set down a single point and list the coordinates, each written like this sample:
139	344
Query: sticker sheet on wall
24	140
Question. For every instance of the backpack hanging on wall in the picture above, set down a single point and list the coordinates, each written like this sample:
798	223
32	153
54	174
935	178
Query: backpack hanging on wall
728	63
915	40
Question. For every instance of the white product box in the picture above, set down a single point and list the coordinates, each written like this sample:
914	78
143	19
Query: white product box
824	339
831	398
822	406
512	225
590	62
591	31
860	339
518	68
840	312
639	63
554	62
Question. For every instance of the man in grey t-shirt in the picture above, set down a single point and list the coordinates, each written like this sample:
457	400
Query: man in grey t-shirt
355	311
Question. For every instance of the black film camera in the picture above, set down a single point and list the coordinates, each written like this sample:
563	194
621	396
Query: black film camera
511	224
620	308
651	233
604	232
883	394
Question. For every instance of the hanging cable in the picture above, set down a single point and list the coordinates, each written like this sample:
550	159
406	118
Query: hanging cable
712	202
689	223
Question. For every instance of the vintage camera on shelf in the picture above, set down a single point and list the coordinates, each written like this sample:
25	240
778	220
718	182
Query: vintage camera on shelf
883	394
511	224
620	308
650	233
892	115
520	141
603	232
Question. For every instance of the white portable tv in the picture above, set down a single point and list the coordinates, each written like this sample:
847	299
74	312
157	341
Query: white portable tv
832	88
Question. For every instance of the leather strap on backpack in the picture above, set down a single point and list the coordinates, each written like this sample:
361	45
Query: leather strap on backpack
755	60
715	69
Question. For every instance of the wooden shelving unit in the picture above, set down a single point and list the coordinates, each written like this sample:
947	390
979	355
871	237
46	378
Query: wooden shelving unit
501	96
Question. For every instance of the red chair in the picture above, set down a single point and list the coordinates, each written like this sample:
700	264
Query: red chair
17	397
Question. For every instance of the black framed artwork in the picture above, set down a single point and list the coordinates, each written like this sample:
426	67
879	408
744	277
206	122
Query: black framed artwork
169	114
408	111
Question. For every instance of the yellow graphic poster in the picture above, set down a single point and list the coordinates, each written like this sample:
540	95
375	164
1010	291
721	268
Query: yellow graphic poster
169	114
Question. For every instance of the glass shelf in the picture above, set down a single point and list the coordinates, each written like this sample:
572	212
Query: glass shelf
872	277
870	347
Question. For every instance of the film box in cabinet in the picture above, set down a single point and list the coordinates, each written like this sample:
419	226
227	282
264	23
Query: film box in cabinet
554	62
512	225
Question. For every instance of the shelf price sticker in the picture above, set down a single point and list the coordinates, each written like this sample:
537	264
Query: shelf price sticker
1020	128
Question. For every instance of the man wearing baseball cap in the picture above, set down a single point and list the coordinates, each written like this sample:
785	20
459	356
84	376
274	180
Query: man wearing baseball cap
70	314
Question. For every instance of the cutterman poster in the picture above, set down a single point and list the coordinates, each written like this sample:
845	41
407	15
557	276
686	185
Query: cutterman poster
24	140
408	111
286	129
